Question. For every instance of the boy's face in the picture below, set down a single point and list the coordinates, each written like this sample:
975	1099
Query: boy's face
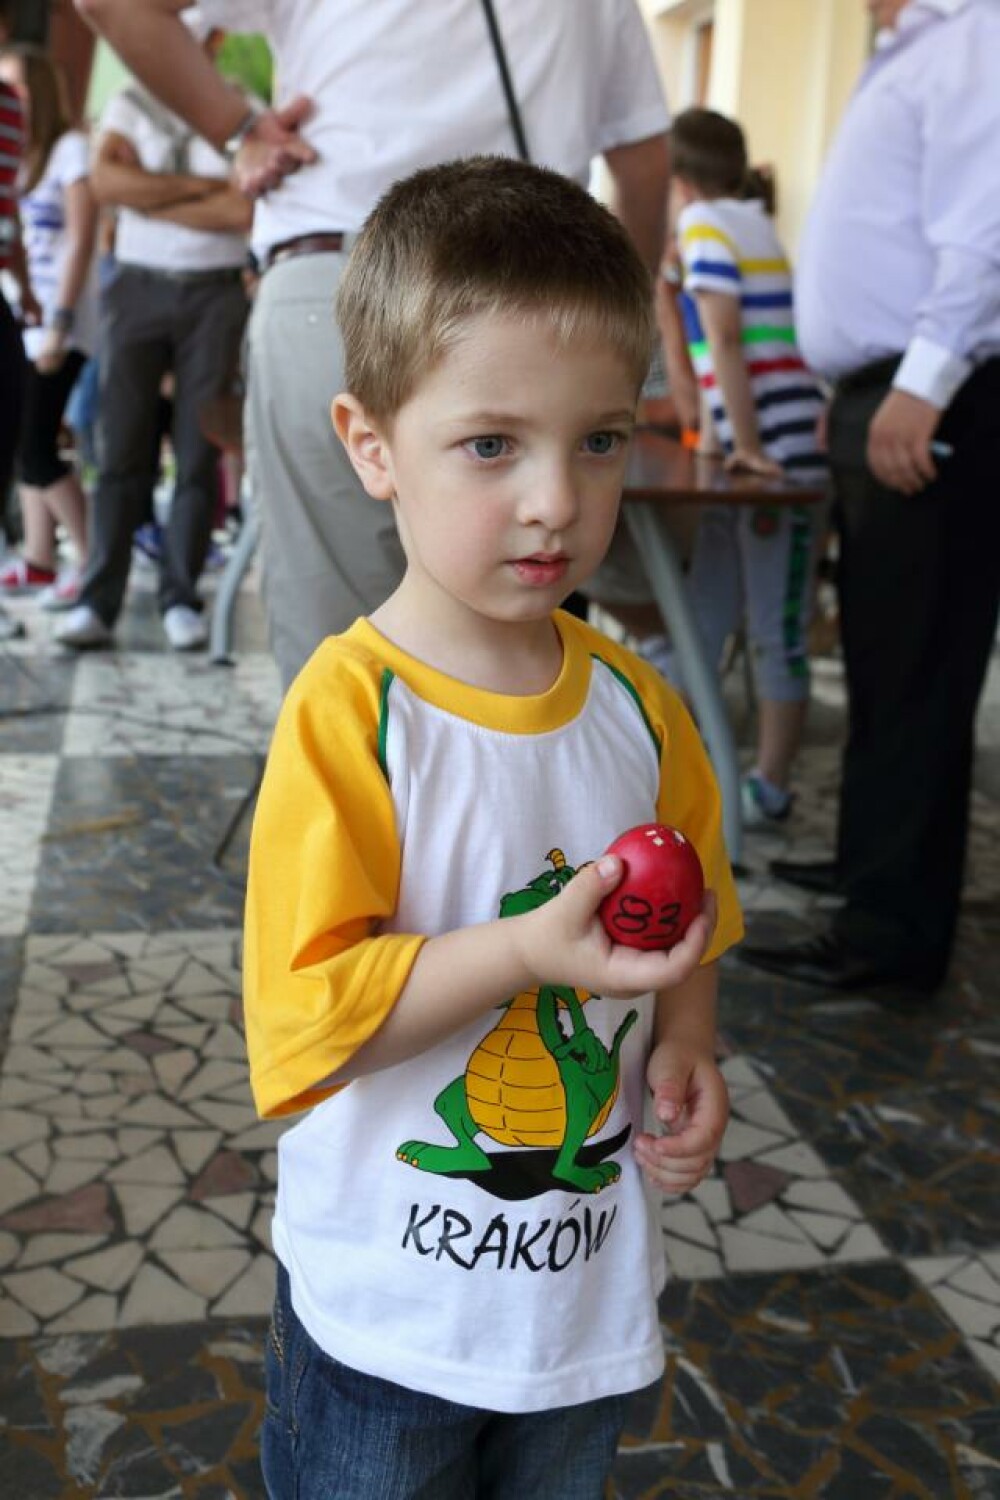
506	465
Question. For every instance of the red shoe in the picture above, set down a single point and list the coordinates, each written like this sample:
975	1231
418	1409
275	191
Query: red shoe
19	576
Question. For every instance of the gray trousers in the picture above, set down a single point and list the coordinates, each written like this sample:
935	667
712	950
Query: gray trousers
152	323
330	552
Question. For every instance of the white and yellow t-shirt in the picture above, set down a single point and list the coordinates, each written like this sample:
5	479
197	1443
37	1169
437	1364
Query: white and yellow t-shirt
469	1223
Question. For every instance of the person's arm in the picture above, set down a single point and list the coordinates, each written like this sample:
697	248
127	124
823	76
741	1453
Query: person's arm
465	973
159	49
226	211
119	180
959	205
80	213
682	383
722	321
28	304
640	176
689	1095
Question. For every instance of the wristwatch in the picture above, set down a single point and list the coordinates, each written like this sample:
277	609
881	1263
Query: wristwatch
61	319
239	135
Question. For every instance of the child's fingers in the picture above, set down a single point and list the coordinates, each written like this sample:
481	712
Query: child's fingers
672	1175
590	885
638	969
690	1143
675	1180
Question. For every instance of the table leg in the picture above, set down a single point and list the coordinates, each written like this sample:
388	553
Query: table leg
656	548
240	558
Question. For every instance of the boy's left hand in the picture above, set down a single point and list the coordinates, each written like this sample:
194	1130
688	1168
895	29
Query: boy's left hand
691	1102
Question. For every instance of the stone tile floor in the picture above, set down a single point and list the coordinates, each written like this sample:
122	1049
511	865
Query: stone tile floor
833	1325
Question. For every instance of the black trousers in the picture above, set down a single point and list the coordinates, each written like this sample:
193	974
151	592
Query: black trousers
45	401
151	323
919	584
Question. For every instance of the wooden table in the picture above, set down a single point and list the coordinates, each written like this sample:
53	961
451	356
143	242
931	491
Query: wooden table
661	475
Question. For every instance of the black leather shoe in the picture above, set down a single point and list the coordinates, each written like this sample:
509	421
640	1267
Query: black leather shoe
817	875
826	961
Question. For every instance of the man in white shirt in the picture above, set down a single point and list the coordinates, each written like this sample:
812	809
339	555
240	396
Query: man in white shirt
176	303
898	303
369	93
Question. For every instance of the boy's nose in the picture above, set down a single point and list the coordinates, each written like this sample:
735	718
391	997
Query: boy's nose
553	499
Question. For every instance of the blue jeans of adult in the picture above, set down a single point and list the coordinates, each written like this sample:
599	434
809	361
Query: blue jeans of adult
332	1433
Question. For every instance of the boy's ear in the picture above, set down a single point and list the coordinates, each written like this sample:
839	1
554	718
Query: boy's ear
366	444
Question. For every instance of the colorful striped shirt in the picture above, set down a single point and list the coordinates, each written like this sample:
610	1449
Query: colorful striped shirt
11	151
729	245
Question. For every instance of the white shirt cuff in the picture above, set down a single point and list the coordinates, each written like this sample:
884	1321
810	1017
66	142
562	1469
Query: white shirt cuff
932	372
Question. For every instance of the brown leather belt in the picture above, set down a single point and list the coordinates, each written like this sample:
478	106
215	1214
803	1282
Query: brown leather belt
305	244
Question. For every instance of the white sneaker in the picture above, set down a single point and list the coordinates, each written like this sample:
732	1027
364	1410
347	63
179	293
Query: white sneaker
758	809
81	628
62	594
185	628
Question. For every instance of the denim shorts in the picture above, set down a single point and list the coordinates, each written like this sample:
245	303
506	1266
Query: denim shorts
332	1433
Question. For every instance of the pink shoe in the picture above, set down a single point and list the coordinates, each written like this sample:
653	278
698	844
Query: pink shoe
19	576
62	594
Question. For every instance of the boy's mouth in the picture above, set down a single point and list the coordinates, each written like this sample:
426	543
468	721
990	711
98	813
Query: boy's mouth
542	568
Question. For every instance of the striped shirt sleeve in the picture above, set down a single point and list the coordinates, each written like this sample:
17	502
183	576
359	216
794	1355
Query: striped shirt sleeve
711	257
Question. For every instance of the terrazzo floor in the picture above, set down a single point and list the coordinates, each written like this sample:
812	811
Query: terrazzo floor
833	1322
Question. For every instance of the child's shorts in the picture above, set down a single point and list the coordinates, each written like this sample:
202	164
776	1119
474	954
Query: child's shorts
756	566
331	1431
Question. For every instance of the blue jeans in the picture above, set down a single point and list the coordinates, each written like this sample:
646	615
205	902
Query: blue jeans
331	1433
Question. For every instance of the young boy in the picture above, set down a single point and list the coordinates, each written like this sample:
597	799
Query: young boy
764	407
469	1268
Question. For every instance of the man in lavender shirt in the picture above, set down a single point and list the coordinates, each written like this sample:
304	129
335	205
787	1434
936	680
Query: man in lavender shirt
898	304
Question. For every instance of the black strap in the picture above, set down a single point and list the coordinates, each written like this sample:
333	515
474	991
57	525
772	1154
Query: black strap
516	123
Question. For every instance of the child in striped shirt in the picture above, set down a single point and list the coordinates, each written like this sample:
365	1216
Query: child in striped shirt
764	407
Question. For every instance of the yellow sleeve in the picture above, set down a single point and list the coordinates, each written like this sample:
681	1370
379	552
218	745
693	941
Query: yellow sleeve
690	800
324	872
689	797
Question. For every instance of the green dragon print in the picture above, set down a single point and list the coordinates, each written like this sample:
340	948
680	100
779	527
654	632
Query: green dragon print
532	1082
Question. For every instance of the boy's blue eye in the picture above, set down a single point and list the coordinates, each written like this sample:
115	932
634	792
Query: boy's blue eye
602	442
488	447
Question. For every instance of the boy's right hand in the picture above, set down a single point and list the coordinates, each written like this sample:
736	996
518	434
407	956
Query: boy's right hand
565	942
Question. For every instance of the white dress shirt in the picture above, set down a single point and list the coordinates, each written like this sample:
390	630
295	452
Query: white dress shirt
398	86
901	250
156	244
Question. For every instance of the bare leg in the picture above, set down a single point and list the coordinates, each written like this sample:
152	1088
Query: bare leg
778	739
39	545
67	504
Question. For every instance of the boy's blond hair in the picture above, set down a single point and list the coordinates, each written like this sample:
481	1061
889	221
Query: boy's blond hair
487	235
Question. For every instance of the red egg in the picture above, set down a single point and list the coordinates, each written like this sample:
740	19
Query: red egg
661	891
